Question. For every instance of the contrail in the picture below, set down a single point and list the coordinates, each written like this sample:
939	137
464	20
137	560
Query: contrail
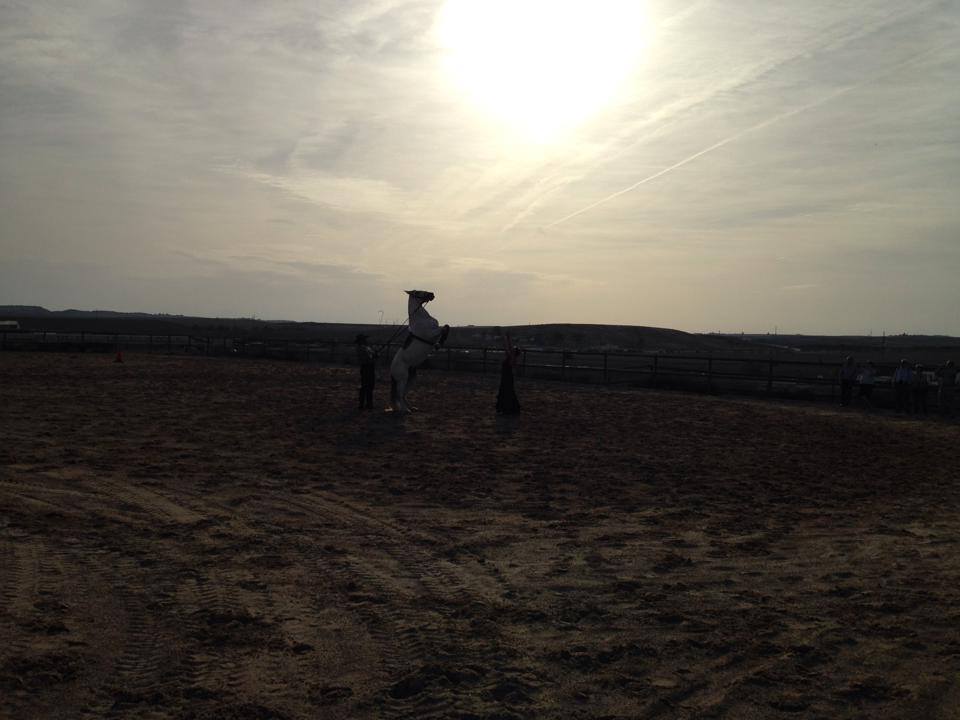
736	136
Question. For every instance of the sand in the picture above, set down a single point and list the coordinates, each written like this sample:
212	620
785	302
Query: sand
217	538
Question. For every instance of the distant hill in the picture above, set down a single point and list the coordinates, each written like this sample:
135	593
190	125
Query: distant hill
17	311
553	336
603	337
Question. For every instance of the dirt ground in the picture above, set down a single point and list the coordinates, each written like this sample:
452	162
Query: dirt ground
214	538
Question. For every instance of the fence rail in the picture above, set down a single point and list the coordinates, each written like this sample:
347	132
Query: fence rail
799	378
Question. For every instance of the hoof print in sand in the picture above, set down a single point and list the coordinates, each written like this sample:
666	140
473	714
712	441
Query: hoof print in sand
38	673
231	628
332	694
249	711
512	692
433	676
873	689
789	704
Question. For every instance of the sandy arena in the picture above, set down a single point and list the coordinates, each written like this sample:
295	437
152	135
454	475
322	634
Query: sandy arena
217	538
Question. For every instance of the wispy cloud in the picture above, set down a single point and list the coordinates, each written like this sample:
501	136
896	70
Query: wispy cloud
779	117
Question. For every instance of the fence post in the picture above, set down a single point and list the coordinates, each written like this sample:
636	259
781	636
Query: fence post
770	375
604	368
448	358
656	367
710	372
483	363
3	346
523	365
207	349
83	341
169	344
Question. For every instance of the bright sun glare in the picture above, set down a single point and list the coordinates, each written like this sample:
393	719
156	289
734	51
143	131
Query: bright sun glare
542	66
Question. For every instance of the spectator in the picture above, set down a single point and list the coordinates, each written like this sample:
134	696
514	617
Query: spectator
919	386
948	383
868	378
366	358
902	380
848	375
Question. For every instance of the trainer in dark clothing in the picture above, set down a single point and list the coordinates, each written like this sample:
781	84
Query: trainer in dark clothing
368	374
902	380
868	378
919	388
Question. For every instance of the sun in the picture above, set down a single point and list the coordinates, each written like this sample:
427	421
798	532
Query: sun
541	66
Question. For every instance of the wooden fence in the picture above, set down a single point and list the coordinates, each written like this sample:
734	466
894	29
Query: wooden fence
801	378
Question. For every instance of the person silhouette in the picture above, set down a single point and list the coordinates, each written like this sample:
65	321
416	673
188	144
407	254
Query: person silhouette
868	378
919	387
902	380
848	375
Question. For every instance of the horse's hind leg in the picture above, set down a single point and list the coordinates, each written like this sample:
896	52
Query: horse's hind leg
401	405
397	372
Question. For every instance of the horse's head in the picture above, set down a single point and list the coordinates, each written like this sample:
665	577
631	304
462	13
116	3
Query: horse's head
421	295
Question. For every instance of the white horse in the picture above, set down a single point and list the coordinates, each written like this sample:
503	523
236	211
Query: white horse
425	334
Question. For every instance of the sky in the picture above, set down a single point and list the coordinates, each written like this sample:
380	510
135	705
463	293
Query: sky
694	164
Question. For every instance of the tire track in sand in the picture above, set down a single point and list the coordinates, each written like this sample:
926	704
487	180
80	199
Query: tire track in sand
414	632
150	669
20	593
40	663
210	610
137	681
156	504
360	580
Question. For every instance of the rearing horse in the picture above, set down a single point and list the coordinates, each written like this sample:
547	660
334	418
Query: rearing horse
425	334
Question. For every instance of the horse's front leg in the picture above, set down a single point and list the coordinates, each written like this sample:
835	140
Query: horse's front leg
399	382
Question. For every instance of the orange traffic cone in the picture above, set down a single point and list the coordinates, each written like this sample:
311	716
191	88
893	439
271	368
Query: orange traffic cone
119	357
